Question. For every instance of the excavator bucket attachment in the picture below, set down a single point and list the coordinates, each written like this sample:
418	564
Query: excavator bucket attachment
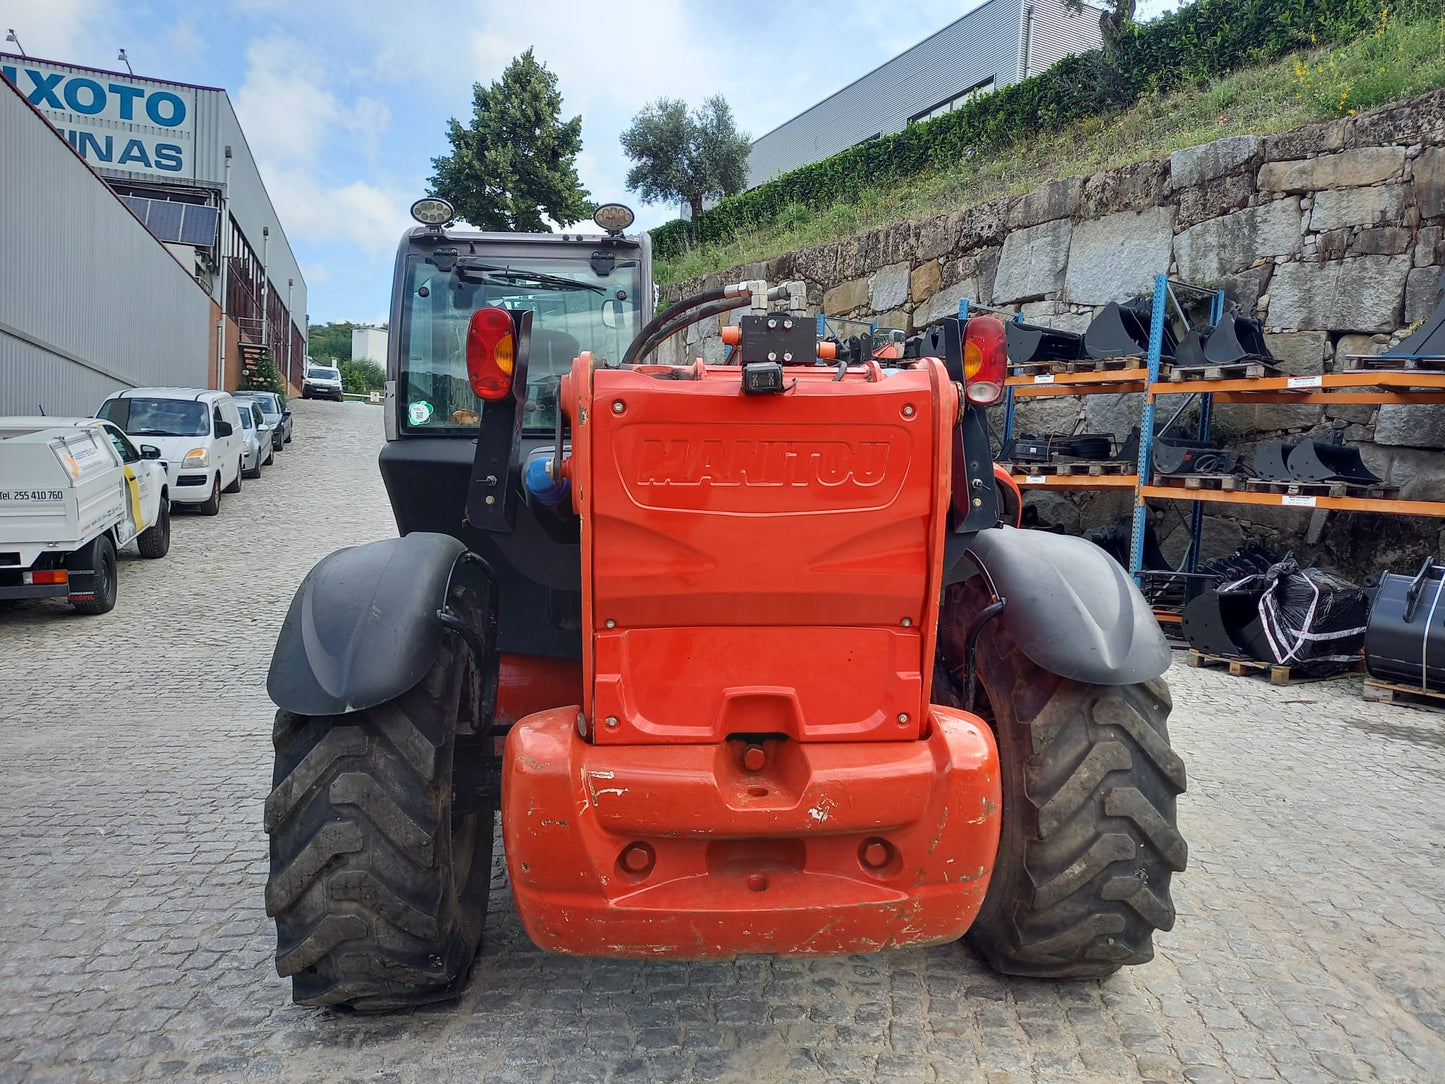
1428	342
1321	461
1191	348
1033	342
1236	338
1269	461
1204	627
1122	331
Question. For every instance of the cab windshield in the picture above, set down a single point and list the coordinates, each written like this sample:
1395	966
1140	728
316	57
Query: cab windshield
141	417
575	307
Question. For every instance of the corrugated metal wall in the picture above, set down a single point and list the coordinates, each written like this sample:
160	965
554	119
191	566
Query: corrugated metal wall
90	302
987	42
1059	32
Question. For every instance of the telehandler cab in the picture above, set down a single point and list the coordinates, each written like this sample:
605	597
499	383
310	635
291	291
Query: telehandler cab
742	654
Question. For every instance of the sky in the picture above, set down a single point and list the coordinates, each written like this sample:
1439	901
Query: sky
345	104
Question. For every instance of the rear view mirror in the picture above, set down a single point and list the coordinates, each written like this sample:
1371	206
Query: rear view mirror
149	451
224	429
612	311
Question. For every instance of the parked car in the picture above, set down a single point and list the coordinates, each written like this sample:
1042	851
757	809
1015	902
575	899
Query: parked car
276	413
198	432
259	450
72	492
321	382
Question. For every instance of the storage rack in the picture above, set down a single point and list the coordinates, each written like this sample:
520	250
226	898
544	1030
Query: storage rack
1355	386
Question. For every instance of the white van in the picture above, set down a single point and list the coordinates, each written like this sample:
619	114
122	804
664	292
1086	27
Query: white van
198	432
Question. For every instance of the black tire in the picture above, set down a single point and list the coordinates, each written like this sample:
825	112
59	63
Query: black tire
378	891
1089	838
270	454
155	540
105	584
235	487
211	506
254	472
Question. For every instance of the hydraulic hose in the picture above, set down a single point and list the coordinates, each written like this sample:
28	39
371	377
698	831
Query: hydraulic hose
687	319
634	348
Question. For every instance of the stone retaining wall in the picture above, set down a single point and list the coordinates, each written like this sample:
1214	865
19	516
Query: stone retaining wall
1332	234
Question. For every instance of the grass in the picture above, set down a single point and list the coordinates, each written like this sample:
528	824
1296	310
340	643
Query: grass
1395	62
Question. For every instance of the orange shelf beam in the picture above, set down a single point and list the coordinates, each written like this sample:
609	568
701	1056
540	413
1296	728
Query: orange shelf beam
1076	481
1100	380
1284	500
1312	389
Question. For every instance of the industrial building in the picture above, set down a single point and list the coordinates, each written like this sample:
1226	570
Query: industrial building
111	185
995	44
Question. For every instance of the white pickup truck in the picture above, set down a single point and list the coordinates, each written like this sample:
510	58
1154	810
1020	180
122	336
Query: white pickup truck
73	490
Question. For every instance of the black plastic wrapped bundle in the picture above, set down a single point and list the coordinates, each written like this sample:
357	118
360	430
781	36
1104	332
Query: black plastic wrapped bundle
1307	618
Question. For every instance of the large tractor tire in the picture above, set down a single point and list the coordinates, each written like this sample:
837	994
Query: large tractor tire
378	890
1089	841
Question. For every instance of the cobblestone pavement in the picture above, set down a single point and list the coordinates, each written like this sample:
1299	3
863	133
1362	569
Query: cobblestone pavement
133	944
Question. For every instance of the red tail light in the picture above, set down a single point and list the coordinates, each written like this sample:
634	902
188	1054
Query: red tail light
46	575
491	353
985	359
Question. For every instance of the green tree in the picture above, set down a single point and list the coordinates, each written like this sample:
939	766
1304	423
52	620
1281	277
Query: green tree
687	157
516	162
327	341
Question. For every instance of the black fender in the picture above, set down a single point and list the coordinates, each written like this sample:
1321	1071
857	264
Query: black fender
367	624
1070	607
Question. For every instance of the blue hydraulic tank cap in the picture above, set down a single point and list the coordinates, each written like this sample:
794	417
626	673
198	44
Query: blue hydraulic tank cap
542	485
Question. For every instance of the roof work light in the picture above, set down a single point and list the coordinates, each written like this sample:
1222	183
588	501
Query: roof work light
432	211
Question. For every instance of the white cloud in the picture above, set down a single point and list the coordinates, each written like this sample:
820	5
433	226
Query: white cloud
370	216
69	31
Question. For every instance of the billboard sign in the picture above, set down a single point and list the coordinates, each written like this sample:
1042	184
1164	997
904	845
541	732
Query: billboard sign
114	122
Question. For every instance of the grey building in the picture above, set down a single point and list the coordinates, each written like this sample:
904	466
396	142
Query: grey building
998	43
176	156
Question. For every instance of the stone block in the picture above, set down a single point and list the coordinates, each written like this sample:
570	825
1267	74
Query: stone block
1422	292
1427	244
895	318
1128	188
1303	142
944	302
1346	345
1412	425
939	235
1116	257
1420	473
897	243
1301	353
1382	241
1106	507
1196	165
984	223
1266	417
1032	262
1364	293
888	287
1220	246
1057	199
852	257
1420	119
1348	169
1246	288
1428	173
841	300
1036	312
1115	414
1380	206
817	264
924	281
1332	245
1218	538
1047	415
1212	198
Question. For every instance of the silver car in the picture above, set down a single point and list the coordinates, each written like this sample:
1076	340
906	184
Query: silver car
258	451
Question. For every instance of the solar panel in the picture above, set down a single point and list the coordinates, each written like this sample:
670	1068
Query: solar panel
164	219
198	227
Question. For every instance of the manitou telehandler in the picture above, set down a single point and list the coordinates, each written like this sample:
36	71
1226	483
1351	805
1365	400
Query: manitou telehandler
742	654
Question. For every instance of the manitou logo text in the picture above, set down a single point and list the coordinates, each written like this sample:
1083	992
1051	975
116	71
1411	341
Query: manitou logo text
684	462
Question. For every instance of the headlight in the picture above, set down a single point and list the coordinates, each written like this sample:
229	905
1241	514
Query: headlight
197	457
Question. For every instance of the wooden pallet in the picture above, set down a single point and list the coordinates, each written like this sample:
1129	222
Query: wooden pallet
1410	696
1376	363
1239	370
1200	481
1077	365
1321	489
1278	674
1095	467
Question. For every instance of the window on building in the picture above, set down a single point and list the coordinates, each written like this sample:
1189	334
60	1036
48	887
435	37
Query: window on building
948	105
